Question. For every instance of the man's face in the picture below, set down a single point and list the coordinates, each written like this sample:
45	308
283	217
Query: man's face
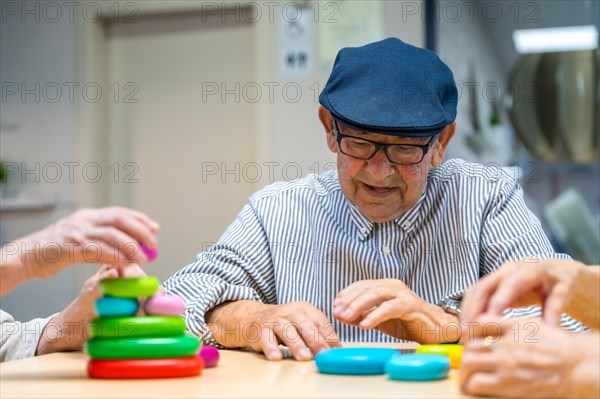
380	189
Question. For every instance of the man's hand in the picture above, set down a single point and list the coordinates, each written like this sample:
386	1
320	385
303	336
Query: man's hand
391	307
303	328
550	283
529	359
107	235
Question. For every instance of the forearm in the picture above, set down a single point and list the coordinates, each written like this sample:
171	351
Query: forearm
12	272
585	303
60	335
27	258
20	340
231	323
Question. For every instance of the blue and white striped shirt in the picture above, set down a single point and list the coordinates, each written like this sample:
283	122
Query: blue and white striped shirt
303	241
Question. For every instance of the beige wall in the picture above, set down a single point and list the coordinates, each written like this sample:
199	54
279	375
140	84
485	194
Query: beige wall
64	50
286	137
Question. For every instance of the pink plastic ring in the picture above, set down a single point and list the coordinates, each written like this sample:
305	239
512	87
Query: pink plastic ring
164	305
210	354
151	254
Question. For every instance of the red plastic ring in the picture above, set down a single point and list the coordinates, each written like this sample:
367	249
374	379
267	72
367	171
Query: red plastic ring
145	368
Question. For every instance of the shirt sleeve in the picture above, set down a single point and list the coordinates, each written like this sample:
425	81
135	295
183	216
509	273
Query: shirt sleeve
511	232
237	267
19	340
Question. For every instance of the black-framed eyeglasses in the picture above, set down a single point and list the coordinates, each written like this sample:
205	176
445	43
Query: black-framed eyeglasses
403	154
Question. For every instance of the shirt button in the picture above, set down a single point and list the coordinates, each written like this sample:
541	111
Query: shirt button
407	224
363	230
386	250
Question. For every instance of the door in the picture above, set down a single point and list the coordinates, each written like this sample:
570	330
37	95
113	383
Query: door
177	150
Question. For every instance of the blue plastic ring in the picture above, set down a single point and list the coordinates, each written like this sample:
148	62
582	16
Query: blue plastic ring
354	361
110	306
417	367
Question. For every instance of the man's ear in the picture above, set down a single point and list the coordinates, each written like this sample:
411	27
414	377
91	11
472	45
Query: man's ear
439	149
327	121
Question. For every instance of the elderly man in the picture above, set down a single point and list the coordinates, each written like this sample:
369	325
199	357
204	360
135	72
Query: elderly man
315	261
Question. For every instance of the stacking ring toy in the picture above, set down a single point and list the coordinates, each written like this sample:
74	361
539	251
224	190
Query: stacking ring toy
110	306
452	351
129	287
143	348
417	367
354	361
148	368
165	305
137	327
151	254
210	355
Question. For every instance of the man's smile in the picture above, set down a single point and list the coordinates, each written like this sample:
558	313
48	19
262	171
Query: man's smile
378	191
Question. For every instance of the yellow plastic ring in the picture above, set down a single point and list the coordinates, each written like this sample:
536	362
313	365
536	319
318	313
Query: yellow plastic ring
452	351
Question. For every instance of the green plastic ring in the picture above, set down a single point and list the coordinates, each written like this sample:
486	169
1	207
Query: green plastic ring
143	348
137	327
141	287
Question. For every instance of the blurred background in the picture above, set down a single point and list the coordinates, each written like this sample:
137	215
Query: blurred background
182	109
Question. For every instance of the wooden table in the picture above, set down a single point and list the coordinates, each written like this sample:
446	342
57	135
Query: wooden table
239	375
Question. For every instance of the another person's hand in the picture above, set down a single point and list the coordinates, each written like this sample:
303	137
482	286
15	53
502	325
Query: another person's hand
529	359
67	330
107	235
303	328
550	283
388	305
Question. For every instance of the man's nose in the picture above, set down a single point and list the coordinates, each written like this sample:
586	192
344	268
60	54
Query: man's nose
380	166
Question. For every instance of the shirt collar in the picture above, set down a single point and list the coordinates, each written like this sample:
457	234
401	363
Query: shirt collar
409	219
363	225
406	221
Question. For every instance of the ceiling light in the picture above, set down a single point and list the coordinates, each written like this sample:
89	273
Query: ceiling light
571	38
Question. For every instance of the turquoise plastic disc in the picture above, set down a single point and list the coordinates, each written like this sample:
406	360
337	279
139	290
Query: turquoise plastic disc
354	361
417	367
110	306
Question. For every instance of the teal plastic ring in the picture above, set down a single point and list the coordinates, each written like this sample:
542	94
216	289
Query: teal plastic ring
143	348
141	287
354	361
137	327
110	306
417	367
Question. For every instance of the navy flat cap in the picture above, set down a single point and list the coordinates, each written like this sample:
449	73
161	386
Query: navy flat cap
391	87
